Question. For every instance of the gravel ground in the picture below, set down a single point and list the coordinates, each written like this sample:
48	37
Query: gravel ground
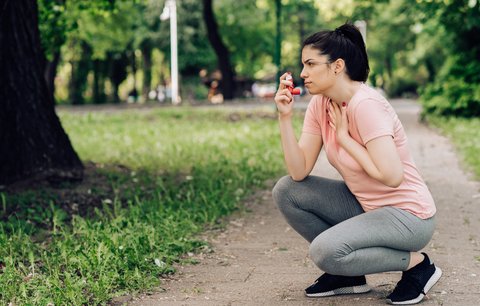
259	260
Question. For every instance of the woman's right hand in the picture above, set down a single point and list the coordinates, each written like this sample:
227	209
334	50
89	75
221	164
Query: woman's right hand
283	97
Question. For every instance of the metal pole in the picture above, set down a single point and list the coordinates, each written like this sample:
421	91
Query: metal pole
362	27
278	40
173	43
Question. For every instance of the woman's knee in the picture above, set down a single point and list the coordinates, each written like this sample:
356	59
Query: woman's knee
282	191
329	255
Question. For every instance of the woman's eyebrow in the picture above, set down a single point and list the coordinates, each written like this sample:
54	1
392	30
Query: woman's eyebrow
307	61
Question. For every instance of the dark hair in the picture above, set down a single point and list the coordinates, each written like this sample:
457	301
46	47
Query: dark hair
345	42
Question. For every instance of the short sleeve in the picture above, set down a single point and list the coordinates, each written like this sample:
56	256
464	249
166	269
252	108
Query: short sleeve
373	120
311	124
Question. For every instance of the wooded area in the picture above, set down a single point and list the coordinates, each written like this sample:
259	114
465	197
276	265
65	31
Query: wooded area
110	51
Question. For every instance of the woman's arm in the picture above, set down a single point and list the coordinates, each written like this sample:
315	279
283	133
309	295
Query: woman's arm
300	157
379	158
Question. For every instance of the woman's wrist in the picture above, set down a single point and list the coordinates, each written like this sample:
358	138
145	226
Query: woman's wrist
284	116
342	139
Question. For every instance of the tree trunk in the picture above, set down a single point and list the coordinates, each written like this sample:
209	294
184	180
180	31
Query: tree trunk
389	69
51	71
118	73
147	69
303	34
79	79
431	68
33	144
98	90
227	83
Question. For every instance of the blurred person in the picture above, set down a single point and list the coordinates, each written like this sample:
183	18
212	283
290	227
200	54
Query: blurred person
381	214
214	94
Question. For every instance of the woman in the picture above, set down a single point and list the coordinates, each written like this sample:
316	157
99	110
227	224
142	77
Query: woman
382	214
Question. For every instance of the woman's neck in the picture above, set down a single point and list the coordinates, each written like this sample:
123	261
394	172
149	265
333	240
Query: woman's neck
343	91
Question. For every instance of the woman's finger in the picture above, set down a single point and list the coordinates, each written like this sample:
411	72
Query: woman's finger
283	96
344	112
282	80
332	125
286	83
331	112
337	110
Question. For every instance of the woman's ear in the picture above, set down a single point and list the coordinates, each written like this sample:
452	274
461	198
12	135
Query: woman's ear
338	65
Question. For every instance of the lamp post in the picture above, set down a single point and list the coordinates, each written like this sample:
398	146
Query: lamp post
170	12
278	40
362	27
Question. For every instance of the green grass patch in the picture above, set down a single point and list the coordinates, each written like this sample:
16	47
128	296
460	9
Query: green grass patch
155	179
465	135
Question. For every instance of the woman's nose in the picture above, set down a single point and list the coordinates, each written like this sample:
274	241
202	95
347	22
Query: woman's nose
303	75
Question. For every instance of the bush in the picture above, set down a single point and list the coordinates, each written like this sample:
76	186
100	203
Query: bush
454	97
402	87
456	90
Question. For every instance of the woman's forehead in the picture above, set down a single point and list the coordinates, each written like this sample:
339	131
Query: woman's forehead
312	53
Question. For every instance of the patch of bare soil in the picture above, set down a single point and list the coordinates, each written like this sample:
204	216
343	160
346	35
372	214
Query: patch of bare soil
99	183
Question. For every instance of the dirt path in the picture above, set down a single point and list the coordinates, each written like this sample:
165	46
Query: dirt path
260	260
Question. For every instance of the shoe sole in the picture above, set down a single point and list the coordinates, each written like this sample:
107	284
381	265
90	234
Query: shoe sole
345	290
431	282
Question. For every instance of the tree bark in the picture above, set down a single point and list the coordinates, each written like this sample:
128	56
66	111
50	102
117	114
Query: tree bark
79	77
118	73
51	71
227	83
98	86
147	69
33	144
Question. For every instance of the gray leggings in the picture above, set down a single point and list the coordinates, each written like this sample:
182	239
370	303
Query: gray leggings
344	239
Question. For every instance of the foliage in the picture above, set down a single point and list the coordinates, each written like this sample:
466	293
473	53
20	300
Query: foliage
187	168
391	39
428	44
455	90
58	18
452	97
243	26
109	31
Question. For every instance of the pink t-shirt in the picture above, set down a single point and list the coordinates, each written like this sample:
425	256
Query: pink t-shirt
371	116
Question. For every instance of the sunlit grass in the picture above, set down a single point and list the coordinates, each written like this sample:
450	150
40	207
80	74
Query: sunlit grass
187	169
465	134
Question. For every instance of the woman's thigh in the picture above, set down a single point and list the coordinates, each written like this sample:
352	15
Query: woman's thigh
376	241
329	200
384	227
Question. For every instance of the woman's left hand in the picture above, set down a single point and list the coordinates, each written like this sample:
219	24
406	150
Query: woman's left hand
338	120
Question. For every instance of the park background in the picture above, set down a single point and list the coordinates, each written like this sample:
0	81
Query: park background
109	206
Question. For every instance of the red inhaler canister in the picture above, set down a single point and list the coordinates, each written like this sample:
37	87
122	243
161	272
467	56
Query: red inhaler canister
293	91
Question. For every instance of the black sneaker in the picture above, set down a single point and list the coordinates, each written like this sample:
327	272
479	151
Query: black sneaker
415	283
328	285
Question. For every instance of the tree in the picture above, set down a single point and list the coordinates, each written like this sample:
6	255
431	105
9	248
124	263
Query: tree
53	28
456	87
223	55
57	20
33	144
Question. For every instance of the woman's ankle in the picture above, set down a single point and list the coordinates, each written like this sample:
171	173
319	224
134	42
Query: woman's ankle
415	259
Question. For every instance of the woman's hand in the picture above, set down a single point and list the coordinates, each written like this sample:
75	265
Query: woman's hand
283	97
338	120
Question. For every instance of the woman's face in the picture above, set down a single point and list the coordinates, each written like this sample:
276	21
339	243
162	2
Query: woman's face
317	71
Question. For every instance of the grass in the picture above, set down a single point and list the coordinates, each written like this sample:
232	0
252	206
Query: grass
160	178
464	133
